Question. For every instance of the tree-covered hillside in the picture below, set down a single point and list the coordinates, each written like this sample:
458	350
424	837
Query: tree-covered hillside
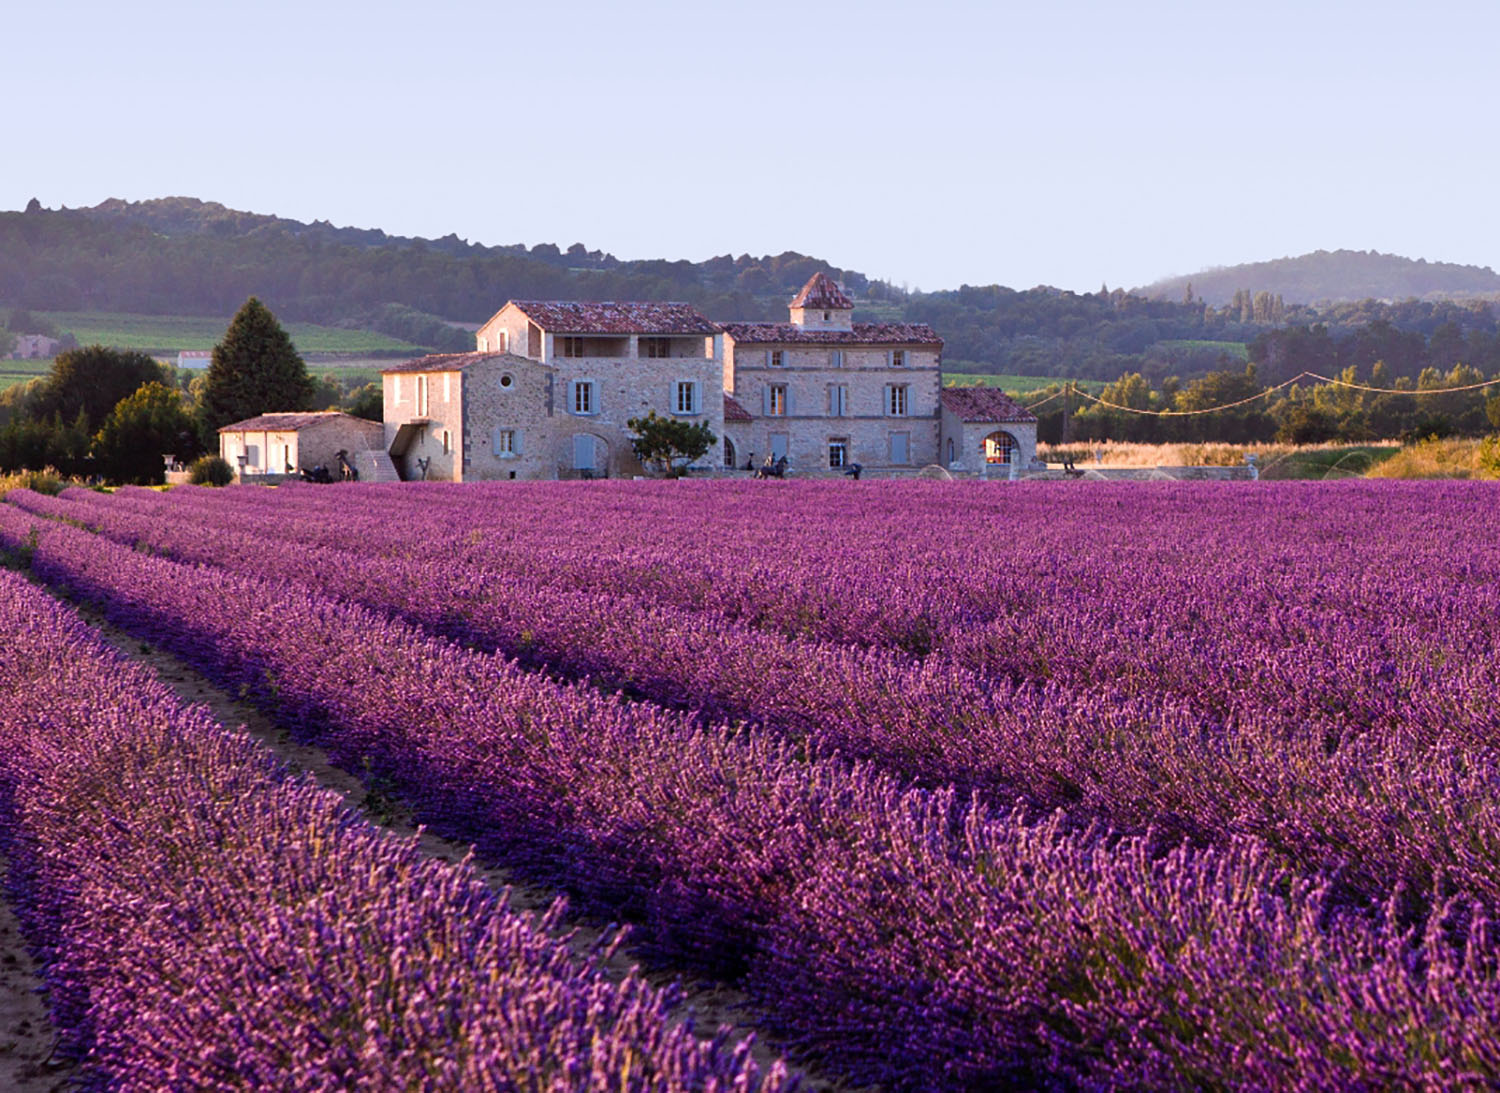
181	256
1324	276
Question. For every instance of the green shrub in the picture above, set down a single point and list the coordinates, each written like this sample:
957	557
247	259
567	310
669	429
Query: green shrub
210	470
1489	457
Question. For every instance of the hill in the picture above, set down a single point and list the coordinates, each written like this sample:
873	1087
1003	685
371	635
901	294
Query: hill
1333	276
180	256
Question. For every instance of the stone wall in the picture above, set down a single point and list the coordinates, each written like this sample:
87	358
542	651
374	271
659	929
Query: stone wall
435	396
508	394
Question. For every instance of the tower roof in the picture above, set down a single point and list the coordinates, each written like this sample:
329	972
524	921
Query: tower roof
821	293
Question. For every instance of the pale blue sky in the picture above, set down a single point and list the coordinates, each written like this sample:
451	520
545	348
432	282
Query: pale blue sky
935	143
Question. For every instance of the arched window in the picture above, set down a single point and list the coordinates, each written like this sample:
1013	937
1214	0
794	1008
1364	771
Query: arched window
728	452
1000	448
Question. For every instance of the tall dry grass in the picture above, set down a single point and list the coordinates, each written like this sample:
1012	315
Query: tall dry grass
1120	454
1446	458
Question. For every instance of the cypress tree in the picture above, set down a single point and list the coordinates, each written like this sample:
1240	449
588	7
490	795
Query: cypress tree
254	370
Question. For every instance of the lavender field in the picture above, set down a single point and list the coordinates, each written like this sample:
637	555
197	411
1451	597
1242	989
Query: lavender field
1166	786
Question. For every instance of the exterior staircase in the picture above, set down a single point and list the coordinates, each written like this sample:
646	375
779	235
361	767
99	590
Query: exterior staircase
375	465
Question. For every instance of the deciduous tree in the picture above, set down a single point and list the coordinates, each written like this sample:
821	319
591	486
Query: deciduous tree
667	445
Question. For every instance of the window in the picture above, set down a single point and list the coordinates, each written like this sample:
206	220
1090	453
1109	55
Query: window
898	358
445	442
584	401
836	358
826	316
729	457
573	346
656	347
447	387
895	399
838	451
1000	448
507	381
777	358
687	397
484	344
900	448
838	400
502	341
505	443
421	396
776	403
396	389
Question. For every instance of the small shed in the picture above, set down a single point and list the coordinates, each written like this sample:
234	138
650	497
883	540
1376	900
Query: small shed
986	431
284	444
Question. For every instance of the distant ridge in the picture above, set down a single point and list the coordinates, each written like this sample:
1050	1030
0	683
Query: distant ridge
1333	276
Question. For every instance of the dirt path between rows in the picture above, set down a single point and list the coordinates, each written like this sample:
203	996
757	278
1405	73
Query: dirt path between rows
26	1034
709	1007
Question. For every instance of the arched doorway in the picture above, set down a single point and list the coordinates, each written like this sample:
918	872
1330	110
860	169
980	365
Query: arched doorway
1001	449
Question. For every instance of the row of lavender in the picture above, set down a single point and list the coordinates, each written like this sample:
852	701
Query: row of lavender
906	936
1348	721
207	922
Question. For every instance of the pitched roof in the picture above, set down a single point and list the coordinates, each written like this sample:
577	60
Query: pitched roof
861	334
286	422
733	411
608	317
984	404
821	292
450	362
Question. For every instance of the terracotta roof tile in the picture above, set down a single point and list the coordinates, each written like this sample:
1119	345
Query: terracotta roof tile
285	422
862	334
822	292
447	362
608	317
984	404
733	411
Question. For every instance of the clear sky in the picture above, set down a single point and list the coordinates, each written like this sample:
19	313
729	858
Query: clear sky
930	142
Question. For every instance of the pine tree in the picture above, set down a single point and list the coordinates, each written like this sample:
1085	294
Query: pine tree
254	370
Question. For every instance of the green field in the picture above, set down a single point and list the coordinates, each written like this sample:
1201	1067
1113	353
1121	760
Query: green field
1234	350
1015	385
164	335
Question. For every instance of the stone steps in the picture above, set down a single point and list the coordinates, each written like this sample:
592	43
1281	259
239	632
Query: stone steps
375	466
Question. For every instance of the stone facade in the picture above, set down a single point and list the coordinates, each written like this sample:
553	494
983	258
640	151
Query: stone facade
828	392
610	363
286	444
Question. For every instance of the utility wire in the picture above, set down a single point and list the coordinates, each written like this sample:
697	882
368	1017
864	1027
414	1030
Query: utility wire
1272	390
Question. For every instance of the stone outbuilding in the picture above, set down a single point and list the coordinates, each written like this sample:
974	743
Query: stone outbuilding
987	432
826	392
287	443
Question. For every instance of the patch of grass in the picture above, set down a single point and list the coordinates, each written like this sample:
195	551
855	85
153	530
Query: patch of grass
1010	383
169	334
1352	461
1234	350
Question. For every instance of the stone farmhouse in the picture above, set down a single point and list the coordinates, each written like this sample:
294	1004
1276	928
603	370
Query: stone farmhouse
551	384
549	390
281	445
